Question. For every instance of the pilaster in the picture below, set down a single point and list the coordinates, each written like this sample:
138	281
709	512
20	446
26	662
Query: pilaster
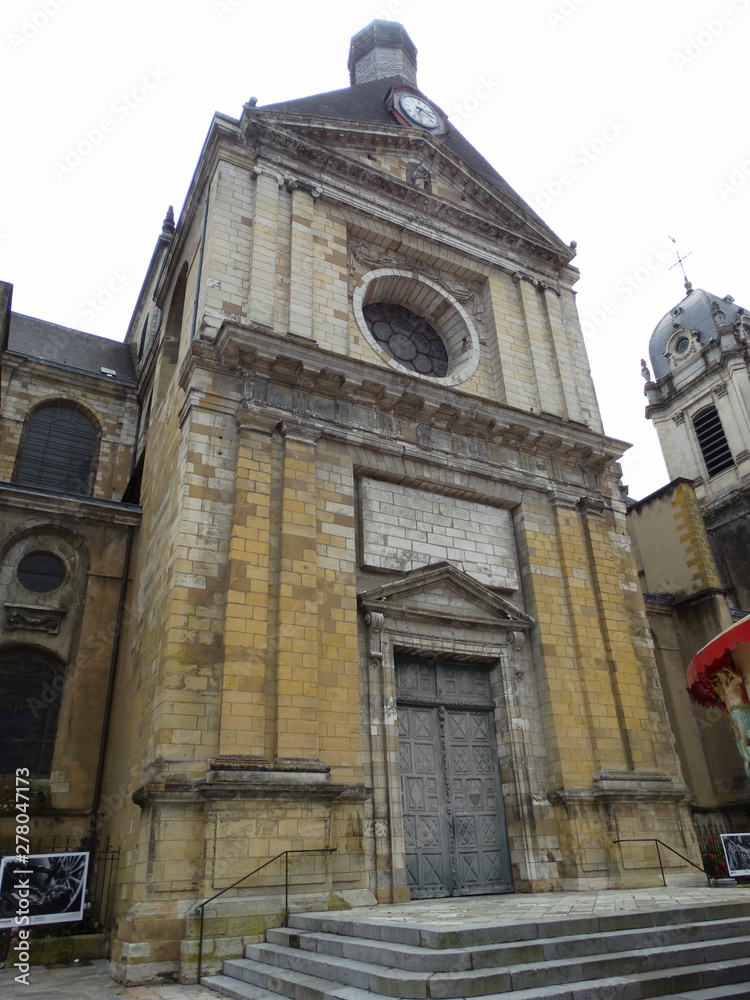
246	633
565	363
263	254
593	667
542	352
298	641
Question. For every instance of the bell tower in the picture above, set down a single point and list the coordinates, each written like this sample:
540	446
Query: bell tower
699	402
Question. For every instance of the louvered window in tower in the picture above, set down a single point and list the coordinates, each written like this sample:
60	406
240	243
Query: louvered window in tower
58	450
712	441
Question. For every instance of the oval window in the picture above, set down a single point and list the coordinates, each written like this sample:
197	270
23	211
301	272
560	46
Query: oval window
41	572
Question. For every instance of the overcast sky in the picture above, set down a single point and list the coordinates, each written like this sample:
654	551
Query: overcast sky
622	122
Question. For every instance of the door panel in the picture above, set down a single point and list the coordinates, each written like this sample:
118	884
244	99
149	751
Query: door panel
454	822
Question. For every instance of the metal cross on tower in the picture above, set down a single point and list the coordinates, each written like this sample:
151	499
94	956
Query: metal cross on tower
688	285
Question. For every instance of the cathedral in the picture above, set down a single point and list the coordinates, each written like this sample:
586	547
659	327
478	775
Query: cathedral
331	555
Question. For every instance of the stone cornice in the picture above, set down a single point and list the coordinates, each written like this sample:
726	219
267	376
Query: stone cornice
307	140
623	786
46	503
305	372
249	786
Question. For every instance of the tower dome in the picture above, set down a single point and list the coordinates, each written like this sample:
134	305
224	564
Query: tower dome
699	313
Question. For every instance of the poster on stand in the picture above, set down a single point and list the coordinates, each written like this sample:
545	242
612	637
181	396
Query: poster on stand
737	852
42	889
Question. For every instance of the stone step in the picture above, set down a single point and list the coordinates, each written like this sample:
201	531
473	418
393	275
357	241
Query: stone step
272	965
424	935
686	953
722	981
416	959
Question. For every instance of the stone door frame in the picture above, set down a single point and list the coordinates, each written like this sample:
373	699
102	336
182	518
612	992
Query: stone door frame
398	621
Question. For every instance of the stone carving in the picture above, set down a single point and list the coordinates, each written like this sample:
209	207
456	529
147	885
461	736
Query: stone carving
366	255
420	176
39	619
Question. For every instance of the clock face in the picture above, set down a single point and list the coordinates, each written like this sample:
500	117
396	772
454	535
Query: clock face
419	111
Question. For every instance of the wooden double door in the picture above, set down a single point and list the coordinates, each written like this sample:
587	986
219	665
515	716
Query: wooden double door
454	820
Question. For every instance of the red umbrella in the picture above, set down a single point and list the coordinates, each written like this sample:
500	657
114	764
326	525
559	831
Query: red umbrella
715	655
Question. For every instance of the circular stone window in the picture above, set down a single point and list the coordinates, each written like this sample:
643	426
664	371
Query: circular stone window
408	338
682	345
41	572
416	326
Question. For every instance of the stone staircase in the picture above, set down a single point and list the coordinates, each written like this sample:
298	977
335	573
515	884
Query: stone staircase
693	952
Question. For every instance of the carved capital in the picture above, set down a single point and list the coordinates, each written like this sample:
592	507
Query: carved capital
721	390
592	505
249	418
562	498
678	418
294	432
301	184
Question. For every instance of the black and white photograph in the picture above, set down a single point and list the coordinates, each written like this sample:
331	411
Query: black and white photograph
737	851
48	888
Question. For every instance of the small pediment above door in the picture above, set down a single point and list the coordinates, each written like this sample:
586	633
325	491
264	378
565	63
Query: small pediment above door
447	596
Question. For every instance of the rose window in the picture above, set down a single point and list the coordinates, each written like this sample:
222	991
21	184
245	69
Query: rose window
408	339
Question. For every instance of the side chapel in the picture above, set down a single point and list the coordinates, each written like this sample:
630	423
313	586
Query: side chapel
331	553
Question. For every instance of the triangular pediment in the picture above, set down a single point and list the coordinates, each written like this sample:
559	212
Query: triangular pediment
443	591
416	169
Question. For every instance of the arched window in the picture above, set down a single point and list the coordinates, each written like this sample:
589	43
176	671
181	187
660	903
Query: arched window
712	441
58	450
31	682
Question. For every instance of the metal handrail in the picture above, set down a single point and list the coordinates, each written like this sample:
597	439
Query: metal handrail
285	856
655	840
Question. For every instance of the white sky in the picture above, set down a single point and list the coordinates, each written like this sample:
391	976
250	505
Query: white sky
637	105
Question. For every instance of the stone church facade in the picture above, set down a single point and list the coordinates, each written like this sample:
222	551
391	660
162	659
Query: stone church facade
357	537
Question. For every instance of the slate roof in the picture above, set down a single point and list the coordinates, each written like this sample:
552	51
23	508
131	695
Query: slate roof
364	102
36	338
700	311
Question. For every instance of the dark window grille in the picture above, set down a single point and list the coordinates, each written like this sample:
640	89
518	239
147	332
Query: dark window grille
31	681
712	441
58	450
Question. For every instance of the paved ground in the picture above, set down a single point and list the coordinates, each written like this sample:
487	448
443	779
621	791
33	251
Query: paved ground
91	980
